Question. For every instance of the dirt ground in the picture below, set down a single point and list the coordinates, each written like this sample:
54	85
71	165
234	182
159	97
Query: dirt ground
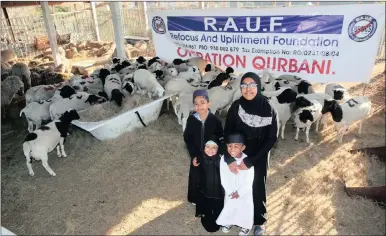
137	184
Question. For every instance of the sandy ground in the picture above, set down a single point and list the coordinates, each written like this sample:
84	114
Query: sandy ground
137	184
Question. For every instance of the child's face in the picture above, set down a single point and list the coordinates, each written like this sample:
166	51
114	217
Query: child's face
210	150
235	149
201	105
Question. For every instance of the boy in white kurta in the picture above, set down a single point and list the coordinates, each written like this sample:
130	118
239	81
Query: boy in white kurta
238	202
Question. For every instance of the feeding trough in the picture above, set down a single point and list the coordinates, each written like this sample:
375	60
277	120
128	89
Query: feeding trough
113	127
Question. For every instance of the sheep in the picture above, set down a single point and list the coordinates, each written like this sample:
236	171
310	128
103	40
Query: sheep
118	67
354	109
180	65
305	87
37	112
183	107
43	92
191	75
146	80
337	91
22	70
113	89
282	104
155	66
103	73
129	87
210	74
10	87
305	116
288	77
220	78
42	141
221	96
78	82
78	101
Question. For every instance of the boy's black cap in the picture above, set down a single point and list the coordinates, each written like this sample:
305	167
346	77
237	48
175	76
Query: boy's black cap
235	138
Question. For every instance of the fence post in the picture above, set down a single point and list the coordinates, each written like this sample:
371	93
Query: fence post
51	32
145	14
95	20
202	5
116	16
9	24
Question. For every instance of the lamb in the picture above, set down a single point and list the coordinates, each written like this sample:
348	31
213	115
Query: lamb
113	89
305	87
103	73
78	101
182	107
211	73
303	100
354	109
42	141
22	70
10	87
146	80
221	77
43	92
222	96
305	116
37	112
129	87
337	91
282	104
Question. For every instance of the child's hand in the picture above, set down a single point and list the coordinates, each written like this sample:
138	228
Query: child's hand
195	163
242	166
233	168
235	195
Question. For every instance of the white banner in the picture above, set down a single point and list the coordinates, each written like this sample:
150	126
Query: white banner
317	43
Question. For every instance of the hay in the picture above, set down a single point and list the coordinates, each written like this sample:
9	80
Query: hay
107	110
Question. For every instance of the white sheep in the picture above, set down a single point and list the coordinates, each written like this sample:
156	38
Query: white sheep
282	104
129	87
43	92
289	77
147	81
182	107
78	102
337	91
354	109
10	87
304	117
221	97
42	141
113	88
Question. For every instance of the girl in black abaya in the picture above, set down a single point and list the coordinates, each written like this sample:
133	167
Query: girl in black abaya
253	116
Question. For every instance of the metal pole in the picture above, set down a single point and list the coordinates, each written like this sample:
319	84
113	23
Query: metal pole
51	32
95	20
145	13
115	8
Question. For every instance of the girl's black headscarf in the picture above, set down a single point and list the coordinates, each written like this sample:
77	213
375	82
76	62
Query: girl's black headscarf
258	105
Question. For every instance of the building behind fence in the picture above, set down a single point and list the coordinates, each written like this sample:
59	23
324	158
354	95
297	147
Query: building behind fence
19	33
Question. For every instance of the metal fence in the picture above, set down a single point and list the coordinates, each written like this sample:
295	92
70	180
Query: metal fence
19	33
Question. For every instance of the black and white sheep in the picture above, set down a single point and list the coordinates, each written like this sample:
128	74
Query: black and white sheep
113	89
282	104
78	101
180	65
193	74
220	78
42	141
211	73
38	112
354	109
45	92
304	117
337	91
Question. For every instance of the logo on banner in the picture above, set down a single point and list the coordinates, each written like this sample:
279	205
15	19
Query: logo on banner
362	28
159	25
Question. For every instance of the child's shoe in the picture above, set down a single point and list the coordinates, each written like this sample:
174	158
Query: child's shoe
226	228
243	231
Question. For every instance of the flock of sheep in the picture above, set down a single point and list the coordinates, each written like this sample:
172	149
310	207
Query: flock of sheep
292	98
